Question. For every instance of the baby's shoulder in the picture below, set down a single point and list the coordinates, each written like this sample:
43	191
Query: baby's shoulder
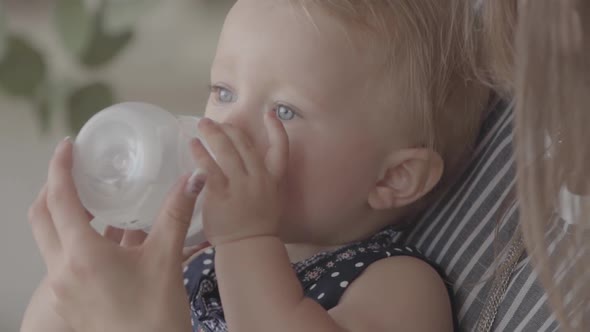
401	291
401	272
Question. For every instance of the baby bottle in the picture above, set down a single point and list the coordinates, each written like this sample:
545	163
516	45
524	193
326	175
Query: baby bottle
126	159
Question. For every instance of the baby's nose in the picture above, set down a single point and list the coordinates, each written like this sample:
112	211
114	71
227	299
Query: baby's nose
248	123
236	118
239	120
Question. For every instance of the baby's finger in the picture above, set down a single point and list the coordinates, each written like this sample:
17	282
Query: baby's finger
71	220
43	230
133	238
244	147
113	234
222	147
277	155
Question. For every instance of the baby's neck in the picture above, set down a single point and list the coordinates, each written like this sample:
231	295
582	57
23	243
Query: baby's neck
301	251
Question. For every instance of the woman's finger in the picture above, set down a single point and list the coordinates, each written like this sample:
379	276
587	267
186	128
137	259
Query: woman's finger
222	147
113	234
208	165
277	155
70	217
43	229
169	232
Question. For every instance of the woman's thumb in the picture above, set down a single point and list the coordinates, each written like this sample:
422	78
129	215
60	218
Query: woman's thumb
169	231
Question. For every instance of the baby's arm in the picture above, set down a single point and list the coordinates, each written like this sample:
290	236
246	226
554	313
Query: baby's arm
260	292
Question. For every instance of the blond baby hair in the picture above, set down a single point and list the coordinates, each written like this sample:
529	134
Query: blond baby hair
422	44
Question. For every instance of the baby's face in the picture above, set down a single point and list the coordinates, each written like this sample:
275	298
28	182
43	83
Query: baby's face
323	86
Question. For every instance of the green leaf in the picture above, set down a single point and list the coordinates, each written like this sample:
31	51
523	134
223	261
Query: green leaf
104	48
43	110
216	6
22	70
86	101
121	16
42	106
2	31
74	25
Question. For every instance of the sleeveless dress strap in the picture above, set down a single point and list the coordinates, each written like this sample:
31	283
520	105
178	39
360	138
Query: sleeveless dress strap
324	277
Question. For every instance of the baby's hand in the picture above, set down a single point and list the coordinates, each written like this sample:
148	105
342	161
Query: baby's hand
242	196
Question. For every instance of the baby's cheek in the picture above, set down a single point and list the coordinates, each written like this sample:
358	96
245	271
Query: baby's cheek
318	183
321	193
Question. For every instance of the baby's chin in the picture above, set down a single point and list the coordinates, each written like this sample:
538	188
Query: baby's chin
295	233
291	235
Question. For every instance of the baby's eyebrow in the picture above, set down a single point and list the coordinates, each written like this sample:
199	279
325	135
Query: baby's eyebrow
312	99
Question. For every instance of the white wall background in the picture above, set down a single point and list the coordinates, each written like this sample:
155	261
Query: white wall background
166	65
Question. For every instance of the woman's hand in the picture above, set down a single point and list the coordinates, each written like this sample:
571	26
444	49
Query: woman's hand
100	285
243	197
41	315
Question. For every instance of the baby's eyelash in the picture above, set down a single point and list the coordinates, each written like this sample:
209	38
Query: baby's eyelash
221	92
213	88
217	87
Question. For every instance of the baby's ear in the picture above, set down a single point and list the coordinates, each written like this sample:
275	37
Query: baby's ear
408	175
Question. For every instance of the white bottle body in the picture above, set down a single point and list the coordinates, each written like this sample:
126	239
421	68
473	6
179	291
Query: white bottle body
127	158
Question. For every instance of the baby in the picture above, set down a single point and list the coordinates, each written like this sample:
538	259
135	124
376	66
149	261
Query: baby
334	123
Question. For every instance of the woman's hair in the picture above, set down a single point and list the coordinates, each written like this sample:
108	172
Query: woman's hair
539	53
421	43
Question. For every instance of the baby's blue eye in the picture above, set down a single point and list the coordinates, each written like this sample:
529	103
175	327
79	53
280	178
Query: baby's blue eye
223	95
285	113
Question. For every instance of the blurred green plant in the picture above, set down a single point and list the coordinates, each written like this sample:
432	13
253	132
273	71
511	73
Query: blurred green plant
19	55
2	32
93	39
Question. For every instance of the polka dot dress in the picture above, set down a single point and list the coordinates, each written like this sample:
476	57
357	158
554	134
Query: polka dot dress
324	277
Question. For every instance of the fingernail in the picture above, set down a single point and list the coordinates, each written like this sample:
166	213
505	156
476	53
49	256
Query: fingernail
206	121
62	143
196	141
195	183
